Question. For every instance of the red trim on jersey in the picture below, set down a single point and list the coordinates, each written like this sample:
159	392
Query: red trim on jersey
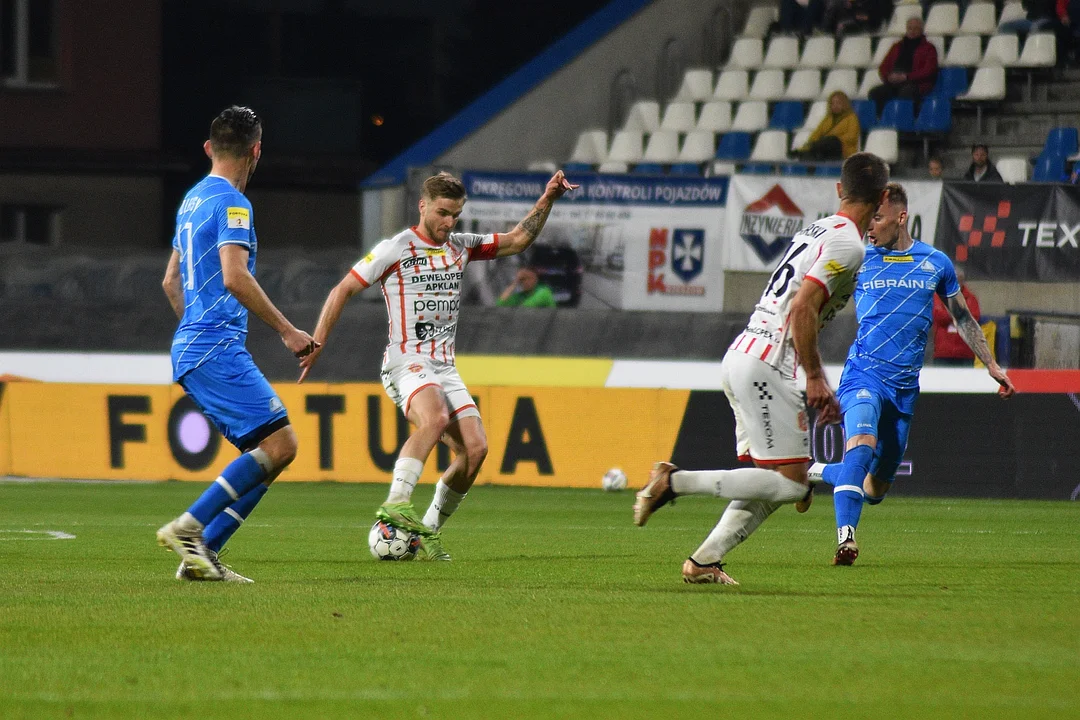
392	268
416	231
463	407
785	461
389	318
752	341
746	458
845	215
408	402
824	287
485	251
363	282
401	297
766	351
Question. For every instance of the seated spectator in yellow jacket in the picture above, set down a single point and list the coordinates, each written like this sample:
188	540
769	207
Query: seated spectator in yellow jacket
837	135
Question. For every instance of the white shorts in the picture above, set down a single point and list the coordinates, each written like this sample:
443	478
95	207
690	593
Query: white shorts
409	374
770	411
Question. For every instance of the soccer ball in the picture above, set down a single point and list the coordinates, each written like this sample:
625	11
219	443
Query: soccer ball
614	480
387	542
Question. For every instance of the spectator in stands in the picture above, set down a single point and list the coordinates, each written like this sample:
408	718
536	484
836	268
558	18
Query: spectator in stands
935	167
949	347
848	17
1047	16
982	170
526	291
837	135
909	70
798	16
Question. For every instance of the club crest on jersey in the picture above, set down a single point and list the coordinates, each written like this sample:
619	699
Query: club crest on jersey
416	367
863	394
680	251
928	267
768	224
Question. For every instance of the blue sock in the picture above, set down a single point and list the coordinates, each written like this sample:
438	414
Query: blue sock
221	528
847	479
239	476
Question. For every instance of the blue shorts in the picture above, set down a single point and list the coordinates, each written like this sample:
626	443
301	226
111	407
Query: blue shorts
234	395
867	412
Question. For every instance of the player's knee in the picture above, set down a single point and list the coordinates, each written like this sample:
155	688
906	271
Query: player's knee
860	456
281	448
476	452
873	499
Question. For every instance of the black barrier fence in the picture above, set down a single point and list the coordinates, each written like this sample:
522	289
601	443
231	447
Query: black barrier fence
1018	232
960	445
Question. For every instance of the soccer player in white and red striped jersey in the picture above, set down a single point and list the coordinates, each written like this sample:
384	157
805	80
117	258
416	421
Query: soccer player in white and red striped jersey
420	272
814	280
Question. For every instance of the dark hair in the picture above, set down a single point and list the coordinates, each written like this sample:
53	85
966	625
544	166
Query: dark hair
937	159
896	195
235	131
976	146
863	178
444	185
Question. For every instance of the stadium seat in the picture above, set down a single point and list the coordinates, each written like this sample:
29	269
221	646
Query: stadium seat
1049	168
816	113
751	116
898	114
577	167
1040	50
680	116
1003	50
938	41
734	146
866	111
951	81
901	14
819	52
964	51
782	53
591	147
942	19
884	45
648	168
935	115
543	166
770	146
803	85
644	117
846	80
715	116
800	138
612	168
787	116
758	169
988	84
626	147
721	167
794	169
699	146
1013	169
884	144
685	169
1061	141
870	80
662	147
746	54
697	86
979	19
759	20
855	52
768	85
732	85
1010	12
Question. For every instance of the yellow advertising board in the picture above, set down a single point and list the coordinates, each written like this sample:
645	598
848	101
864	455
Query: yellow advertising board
565	437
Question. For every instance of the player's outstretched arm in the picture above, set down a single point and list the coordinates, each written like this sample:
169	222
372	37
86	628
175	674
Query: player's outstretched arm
805	309
328	317
972	334
173	285
244	287
521	237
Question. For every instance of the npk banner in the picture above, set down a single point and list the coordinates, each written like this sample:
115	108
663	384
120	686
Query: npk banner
765	212
1012	232
636	243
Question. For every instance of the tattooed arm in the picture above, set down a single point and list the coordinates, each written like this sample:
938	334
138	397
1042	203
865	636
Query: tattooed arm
521	237
972	334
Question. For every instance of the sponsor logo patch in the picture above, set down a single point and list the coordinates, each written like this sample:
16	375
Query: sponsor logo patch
238	218
897	258
834	268
769	223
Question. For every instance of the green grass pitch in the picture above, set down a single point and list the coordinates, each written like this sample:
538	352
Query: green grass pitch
555	606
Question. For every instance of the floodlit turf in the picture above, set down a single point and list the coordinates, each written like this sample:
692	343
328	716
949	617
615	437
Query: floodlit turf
554	606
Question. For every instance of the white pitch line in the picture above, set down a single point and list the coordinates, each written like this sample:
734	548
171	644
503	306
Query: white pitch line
53	535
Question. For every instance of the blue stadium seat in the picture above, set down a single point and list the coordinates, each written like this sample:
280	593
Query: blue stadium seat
951	81
1061	141
867	113
1049	168
685	169
648	169
733	146
758	169
797	169
898	114
787	115
935	115
577	168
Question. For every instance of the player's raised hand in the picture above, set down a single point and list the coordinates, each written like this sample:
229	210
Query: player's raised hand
558	185
820	396
1007	390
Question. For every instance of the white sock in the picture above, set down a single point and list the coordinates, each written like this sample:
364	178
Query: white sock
814	473
443	505
406	474
740	484
188	522
740	518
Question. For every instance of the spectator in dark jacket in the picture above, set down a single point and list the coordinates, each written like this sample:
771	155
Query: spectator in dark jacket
848	17
982	170
1045	16
910	68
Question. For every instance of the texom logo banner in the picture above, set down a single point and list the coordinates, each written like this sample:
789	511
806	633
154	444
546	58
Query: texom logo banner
988	228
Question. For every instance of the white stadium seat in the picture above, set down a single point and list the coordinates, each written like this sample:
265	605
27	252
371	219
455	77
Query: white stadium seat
663	147
846	80
988	84
819	52
1012	11
883	47
768	85
1013	169
1002	50
979	19
746	54
699	146
855	52
644	116
751	116
942	19
803	85
625	147
870	80
901	14
939	44
817	113
783	53
1040	50
884	144
732	85
680	116
591	147
544	166
770	146
965	51
715	116
799	138
697	86
759	20
613	168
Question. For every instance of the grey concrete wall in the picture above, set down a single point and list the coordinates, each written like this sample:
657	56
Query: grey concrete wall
546	122
308	220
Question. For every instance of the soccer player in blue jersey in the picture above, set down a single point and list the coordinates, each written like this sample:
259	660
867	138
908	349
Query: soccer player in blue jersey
211	286
894	299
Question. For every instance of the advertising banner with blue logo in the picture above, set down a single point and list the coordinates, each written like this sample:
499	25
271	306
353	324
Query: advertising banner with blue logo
618	241
765	212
